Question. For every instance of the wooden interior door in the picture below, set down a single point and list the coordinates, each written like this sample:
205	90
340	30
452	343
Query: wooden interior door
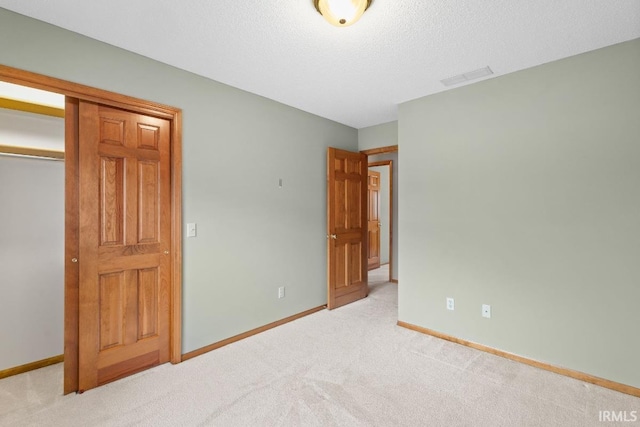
346	228
374	219
124	243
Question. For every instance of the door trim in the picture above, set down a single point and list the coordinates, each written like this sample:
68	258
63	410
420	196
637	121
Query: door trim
390	164
380	150
174	115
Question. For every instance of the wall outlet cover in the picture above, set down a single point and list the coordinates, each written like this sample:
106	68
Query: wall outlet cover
486	311
451	304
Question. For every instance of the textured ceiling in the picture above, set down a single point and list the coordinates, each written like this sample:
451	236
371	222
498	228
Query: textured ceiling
398	51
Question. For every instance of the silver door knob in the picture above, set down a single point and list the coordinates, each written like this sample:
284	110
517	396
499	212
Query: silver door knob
74	259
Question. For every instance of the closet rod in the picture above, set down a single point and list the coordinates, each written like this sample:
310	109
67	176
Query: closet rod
32	152
30	107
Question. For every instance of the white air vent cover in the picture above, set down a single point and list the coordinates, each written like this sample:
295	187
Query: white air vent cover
465	77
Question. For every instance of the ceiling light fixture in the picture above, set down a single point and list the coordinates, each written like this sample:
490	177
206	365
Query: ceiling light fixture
341	13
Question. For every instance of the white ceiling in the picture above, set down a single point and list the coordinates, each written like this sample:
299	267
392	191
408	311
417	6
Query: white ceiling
398	51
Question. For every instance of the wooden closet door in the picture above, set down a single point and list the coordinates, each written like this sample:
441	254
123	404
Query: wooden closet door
347	227
124	235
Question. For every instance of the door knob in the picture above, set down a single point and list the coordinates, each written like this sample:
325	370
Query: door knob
74	259
166	252
334	237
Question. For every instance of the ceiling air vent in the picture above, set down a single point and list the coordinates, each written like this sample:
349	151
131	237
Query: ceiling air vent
468	76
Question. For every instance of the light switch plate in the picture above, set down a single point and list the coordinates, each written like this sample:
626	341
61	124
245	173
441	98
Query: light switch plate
191	229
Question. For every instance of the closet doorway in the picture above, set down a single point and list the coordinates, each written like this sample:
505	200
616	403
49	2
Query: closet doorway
123	252
32	174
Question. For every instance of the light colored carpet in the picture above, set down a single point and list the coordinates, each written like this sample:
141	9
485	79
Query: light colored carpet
349	367
379	275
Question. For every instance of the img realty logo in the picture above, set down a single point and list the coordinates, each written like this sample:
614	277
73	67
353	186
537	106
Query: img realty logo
618	416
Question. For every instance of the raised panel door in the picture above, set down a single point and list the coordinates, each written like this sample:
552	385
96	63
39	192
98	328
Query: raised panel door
346	228
125	226
373	226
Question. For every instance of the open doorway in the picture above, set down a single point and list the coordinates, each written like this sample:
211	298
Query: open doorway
380	220
32	174
386	160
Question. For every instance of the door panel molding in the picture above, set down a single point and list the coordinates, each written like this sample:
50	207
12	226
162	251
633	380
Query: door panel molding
75	92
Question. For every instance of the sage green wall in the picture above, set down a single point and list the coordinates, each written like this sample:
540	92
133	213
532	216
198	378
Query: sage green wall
31	256
252	235
522	192
383	135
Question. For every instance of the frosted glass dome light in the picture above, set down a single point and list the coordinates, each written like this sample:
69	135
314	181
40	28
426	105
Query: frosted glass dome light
341	13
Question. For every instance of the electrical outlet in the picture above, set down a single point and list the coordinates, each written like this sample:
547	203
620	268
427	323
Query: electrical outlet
486	311
281	292
451	304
